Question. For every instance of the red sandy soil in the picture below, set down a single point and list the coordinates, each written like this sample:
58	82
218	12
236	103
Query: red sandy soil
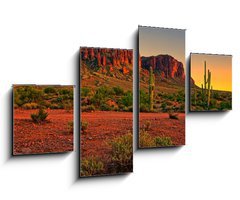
162	126
103	127
52	136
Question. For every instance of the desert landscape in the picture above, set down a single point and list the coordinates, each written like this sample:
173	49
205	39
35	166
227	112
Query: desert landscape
211	83
162	87
43	119
106	111
162	102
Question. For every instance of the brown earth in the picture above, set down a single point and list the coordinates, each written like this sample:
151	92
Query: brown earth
163	126
52	136
103	127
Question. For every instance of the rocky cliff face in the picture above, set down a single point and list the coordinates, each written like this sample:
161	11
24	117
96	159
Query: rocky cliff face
108	57
164	65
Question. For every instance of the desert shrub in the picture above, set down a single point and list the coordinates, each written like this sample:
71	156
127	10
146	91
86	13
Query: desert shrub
101	95
147	125
88	108
164	106
49	90
85	91
64	91
173	116
225	105
40	116
213	103
216	95
121	153
163	141
27	94
29	106
128	109
53	106
144	98
182	108
68	106
145	140
70	126
144	108
105	107
59	99
170	97
91	166
180	97
84	126
127	99
144	101
118	91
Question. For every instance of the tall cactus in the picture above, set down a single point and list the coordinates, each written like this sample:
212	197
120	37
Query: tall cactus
206	93
151	88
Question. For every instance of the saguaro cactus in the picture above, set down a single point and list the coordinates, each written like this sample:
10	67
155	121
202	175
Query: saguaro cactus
207	85
151	88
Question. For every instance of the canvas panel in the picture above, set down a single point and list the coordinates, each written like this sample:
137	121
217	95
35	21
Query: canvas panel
43	119
161	87
210	82
106	111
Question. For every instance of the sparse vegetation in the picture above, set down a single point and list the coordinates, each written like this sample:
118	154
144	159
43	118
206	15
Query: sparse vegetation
91	166
70	126
122	152
84	126
106	99
163	141
40	116
147	141
173	115
34	97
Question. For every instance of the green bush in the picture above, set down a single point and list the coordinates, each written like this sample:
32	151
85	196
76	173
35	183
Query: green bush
84	126
147	125
29	106
91	166
164	107
40	116
70	126
163	141
101	95
144	108
105	107
118	91
225	105
88	108
27	94
122	153
145	140
49	90
85	91
173	115
127	99
144	98
65	91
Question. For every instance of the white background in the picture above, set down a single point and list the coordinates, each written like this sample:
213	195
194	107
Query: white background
39	43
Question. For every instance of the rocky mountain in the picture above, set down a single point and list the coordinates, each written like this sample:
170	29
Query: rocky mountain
112	62
165	66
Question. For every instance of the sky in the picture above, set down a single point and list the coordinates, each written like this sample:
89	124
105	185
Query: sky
154	41
220	67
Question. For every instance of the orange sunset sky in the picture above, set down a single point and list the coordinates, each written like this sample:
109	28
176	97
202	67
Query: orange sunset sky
220	67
